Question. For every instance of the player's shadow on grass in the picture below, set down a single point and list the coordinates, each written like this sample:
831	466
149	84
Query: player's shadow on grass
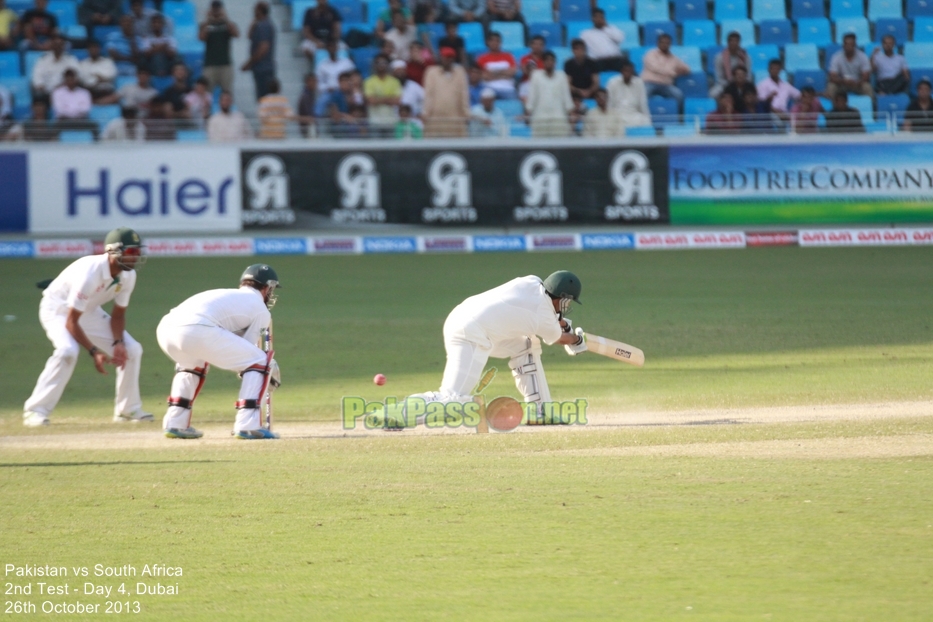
120	462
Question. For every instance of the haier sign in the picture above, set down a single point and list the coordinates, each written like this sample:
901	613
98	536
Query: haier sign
157	189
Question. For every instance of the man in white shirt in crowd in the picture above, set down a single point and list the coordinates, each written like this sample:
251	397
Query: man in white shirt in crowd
70	101
221	328
412	92
604	43
660	68
508	321
97	73
159	49
485	119
71	314
628	99
328	70
891	73
774	91
228	125
549	101
135	96
600	122
49	70
126	127
401	35
732	56
849	70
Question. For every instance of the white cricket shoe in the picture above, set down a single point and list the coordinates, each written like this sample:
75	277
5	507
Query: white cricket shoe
134	417
34	419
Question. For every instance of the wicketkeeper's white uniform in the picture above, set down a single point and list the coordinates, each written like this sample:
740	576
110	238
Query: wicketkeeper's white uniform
504	322
219	327
85	285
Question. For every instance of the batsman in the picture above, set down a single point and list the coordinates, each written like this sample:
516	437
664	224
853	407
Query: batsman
509	321
221	327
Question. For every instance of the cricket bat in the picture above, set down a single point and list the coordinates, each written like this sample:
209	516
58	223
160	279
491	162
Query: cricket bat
615	350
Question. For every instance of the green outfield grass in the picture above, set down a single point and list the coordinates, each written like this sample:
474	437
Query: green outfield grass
732	212
563	524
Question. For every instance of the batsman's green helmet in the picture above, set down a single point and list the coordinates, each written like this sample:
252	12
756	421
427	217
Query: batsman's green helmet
262	274
564	284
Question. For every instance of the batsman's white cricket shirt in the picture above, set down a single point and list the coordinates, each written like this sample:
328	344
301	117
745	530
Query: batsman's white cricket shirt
240	311
518	308
86	284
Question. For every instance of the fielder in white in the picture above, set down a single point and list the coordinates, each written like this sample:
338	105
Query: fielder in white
72	318
508	321
221	327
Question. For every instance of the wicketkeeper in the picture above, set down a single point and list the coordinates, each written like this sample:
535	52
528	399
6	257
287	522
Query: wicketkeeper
506	322
221	327
71	314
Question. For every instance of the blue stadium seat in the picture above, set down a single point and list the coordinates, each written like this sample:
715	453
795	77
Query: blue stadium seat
689	9
574	10
616	10
923	30
563	54
321	56
574	29
29	61
363	59
760	56
191	136
511	108
513	33
846	8
694	85
768	9
878	9
698	107
122	81
699	32
606	76
744	27
551	31
896	27
801	9
654	29
299	7
855	25
814	78
662	107
538	11
690	54
917	74
919	8
641	132
66	11
9	65
473	37
711	53
730	9
863	104
632	34
181	13
104	114
893	104
775	31
636	55
22	96
82	137
350	10
373	9
814	30
651	11
519	130
918	54
829	51
674	130
799	56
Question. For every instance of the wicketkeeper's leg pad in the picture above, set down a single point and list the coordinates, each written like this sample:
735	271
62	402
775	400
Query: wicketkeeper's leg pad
186	385
255	383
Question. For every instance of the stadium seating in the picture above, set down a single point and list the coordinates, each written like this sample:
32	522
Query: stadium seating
917	74
22	96
694	85
636	55
181	13
801	56
631	31
893	104
855	25
919	8
896	27
651	11
65	11
616	10
473	38
363	59
513	34
662	107
918	54
538	11
745	28
698	107
654	29
575	28
923	30
863	104
350	10
815	78
701	33
104	114
679	130
768	9
689	10
373	9
729	9
814	30
802	9
191	136
9	65
641	132
551	32
690	55
775	31
711	53
563	54
574	10
29	61
760	56
606	76
76	136
846	8
878	9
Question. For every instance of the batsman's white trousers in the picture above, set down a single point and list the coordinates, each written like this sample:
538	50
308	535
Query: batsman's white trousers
60	366
468	349
193	346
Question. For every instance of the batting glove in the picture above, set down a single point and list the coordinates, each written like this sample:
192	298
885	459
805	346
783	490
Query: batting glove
568	323
579	346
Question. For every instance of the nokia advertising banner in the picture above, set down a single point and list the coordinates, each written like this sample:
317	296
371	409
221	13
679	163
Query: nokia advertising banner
498	187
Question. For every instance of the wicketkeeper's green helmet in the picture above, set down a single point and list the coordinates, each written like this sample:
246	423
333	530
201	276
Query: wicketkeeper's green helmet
564	285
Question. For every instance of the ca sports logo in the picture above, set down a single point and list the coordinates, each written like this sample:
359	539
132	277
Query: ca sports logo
360	193
543	184
631	175
267	186
452	190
